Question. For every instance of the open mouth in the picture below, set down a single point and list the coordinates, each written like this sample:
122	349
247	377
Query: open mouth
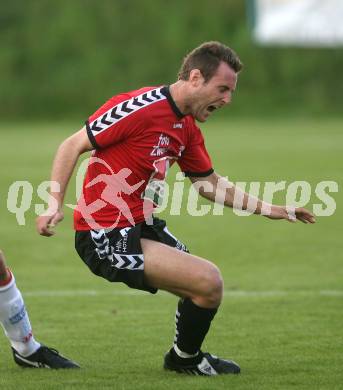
211	108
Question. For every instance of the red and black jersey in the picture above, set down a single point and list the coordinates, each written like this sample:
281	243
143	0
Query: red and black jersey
137	136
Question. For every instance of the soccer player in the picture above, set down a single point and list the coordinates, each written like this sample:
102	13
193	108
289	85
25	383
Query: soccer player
27	352
135	137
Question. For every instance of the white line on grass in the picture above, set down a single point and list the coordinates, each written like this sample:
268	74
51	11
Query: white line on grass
230	293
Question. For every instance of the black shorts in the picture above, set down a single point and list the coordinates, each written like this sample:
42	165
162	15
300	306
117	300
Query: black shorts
116	255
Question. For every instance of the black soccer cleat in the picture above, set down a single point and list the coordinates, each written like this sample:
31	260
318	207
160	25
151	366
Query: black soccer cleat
44	357
208	365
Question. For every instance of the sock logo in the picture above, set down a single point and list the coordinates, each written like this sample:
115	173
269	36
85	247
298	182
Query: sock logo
28	337
18	316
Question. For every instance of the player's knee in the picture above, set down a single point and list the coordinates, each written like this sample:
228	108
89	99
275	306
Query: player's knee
213	286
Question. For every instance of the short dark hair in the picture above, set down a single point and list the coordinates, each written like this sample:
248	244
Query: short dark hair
207	57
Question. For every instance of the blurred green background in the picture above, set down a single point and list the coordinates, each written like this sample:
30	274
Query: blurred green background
63	59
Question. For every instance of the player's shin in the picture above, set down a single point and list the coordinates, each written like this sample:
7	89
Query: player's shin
14	318
192	325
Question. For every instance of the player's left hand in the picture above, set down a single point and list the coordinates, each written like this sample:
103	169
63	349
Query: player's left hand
292	214
47	221
304	215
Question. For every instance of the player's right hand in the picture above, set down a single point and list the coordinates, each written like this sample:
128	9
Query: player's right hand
47	221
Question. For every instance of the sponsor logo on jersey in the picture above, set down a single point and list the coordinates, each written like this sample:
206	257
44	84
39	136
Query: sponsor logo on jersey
161	147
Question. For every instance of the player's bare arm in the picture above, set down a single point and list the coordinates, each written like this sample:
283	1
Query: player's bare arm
64	163
218	189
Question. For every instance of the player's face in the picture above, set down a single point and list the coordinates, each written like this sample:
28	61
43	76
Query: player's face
213	94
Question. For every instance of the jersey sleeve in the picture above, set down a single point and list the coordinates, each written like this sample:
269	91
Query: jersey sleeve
116	120
195	160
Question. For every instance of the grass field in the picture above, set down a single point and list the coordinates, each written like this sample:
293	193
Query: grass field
282	315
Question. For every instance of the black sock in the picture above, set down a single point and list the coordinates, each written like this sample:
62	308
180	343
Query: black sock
192	325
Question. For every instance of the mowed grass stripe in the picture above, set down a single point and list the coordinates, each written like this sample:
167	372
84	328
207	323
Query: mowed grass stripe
236	293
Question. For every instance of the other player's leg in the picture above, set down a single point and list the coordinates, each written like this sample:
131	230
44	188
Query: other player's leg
199	284
27	352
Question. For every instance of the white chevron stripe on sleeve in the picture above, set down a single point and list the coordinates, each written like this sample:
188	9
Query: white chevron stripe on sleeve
98	127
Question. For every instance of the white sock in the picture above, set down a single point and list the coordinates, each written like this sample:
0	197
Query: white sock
15	320
182	354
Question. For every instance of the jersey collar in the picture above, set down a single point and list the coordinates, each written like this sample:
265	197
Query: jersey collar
166	92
